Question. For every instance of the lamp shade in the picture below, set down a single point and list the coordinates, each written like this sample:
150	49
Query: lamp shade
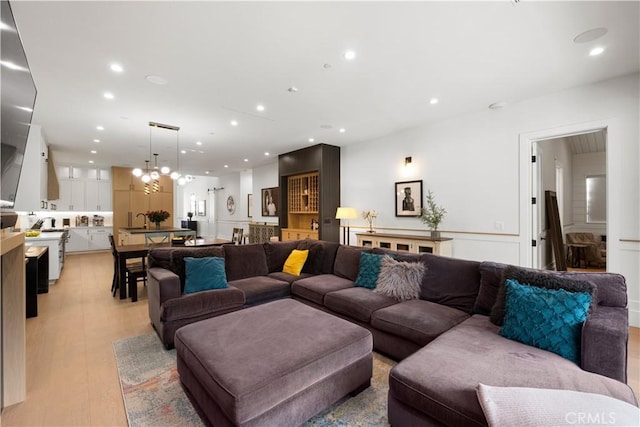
346	213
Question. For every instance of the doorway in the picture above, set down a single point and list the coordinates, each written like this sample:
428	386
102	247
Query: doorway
574	166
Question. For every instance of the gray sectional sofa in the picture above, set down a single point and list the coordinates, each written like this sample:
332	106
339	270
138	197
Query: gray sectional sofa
445	340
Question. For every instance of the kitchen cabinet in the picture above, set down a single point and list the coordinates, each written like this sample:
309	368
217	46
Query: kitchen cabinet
297	234
83	239
55	241
98	174
72	195
399	242
98	195
99	238
32	188
129	199
70	172
78	240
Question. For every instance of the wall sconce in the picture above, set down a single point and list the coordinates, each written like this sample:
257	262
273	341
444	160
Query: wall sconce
407	161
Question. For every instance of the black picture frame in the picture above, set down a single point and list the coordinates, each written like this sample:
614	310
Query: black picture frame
250	205
269	201
408	195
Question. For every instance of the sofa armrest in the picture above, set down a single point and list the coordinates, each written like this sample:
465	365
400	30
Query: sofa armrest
604	342
163	285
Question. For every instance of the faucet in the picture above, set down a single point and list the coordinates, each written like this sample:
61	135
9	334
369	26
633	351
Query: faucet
145	219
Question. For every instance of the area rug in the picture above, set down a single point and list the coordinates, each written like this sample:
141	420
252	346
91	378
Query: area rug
153	396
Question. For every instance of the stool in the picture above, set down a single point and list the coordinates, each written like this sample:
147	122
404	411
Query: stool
274	364
576	255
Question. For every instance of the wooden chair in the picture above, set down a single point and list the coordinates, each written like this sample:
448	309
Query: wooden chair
236	237
135	271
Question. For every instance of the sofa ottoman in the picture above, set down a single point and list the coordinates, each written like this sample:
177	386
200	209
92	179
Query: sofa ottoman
275	364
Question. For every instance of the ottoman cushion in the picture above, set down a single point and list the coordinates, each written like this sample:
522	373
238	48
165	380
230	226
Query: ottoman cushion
252	360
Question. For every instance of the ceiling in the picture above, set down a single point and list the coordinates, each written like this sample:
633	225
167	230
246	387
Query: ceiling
592	142
221	59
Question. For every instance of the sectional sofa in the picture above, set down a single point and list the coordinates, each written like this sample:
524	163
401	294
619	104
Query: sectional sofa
445	340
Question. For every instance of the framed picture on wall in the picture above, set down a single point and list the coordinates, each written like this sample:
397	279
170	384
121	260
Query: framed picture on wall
250	205
408	198
202	210
269	201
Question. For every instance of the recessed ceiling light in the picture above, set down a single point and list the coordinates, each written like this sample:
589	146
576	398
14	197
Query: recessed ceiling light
156	80
198	142
94	152
311	140
590	35
293	89
433	101
260	107
226	166
10	65
96	141
234	123
108	95
117	68
342	130
266	153
350	55
207	172
596	51
90	161
5	27
246	160
100	127
27	109
183	151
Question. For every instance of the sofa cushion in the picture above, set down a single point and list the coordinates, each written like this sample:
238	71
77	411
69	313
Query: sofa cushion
295	261
286	277
192	306
313	265
329	250
160	257
490	281
417	320
520	406
314	288
399	279
261	288
204	274
347	262
178	255
541	279
441	379
550	319
244	261
449	281
357	303
369	270
277	253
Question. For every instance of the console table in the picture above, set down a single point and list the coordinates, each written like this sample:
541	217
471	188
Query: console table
402	242
262	233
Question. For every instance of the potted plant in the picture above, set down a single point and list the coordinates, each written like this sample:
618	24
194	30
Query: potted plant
369	216
432	215
158	216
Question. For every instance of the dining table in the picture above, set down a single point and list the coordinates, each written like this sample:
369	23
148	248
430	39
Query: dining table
125	252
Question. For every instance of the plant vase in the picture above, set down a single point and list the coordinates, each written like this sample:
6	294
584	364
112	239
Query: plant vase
157	224
435	234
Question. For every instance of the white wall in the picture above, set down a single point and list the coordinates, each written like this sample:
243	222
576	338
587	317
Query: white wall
473	165
197	190
584	165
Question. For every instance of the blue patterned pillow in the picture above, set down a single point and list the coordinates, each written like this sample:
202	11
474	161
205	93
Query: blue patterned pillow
204	274
550	319
369	269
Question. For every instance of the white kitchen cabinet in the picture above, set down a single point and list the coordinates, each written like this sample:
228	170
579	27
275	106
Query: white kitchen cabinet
78	240
98	174
98	195
32	188
56	254
99	238
69	172
72	195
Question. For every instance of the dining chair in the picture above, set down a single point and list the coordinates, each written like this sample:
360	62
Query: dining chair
236	237
154	238
135	270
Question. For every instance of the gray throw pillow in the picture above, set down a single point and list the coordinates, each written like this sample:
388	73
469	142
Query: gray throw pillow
399	279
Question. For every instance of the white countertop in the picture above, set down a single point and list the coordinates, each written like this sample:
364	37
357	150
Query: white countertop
54	235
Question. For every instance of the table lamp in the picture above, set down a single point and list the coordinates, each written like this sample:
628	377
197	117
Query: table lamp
346	213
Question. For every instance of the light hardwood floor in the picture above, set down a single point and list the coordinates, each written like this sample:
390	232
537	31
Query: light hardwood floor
71	371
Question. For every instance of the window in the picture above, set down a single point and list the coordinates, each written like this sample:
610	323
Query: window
596	198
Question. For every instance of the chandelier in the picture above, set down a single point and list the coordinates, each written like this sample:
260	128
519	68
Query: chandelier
151	176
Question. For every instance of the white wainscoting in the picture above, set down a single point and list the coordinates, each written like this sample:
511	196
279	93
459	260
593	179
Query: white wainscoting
630	255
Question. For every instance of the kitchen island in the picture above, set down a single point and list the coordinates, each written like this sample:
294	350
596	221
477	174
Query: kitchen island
56	241
138	236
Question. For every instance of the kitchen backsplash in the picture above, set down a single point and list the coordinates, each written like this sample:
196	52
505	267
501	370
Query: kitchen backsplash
25	218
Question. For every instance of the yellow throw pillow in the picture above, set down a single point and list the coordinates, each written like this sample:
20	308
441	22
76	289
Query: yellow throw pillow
295	262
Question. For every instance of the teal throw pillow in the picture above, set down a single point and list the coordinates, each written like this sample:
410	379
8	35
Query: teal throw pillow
369	269
204	274
550	319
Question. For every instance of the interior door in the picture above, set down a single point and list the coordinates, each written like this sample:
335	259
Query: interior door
537	216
